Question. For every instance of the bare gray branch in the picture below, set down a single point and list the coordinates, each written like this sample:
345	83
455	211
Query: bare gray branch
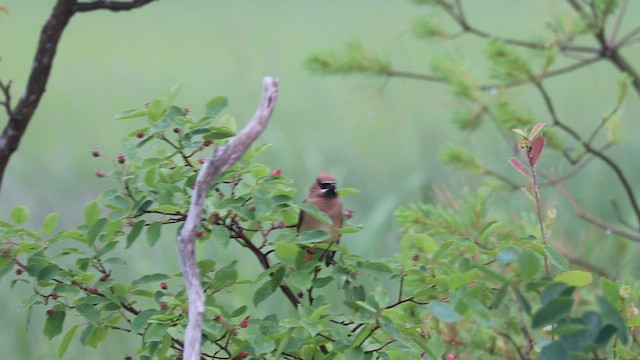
218	163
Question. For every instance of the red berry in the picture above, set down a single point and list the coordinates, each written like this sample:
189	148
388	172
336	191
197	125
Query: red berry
163	285
54	296
128	357
207	142
300	294
243	354
104	277
19	271
95	153
177	130
451	357
100	173
163	306
308	257
121	159
93	290
349	213
281	225
200	234
50	312
252	207
202	160
140	135
415	257
219	318
276	172
244	323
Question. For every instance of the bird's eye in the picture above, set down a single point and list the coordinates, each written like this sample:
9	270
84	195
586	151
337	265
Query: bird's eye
327	185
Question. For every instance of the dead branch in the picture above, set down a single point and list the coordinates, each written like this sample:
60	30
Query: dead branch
218	163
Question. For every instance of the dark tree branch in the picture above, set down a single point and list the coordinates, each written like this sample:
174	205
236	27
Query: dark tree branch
110	5
21	115
221	160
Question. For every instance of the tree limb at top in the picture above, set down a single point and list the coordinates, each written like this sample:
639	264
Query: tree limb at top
218	163
21	114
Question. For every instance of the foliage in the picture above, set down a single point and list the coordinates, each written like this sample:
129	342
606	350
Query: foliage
462	284
527	298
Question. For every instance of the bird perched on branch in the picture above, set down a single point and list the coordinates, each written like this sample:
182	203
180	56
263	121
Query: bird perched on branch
322	194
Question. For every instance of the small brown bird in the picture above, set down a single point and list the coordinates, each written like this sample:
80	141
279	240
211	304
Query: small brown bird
322	194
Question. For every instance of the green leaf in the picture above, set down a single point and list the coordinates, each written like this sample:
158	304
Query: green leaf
347	191
312	236
287	251
48	272
91	212
225	276
218	132
554	351
575	278
146	279
53	324
555	310
221	236
66	340
173	92
611	292
436	346
443	312
508	255
215	105
157	108
528	264
557	258
316	213
89	312
96	337
142	319
50	222
153	233
610	315
460	279
634	322
20	215
95	230
130	114
135	231
262	293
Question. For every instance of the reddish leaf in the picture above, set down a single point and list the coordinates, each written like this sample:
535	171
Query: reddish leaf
534	151
518	166
535	130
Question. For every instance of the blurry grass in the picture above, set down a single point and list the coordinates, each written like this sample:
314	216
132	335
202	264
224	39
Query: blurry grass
380	136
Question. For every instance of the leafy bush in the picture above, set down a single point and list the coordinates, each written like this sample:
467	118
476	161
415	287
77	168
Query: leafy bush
464	284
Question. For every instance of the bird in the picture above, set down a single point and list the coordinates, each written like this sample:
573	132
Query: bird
323	195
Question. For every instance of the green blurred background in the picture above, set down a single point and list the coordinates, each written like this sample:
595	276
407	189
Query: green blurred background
378	135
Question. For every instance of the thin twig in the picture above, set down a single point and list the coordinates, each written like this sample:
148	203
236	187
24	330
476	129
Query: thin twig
6	91
110	5
595	220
